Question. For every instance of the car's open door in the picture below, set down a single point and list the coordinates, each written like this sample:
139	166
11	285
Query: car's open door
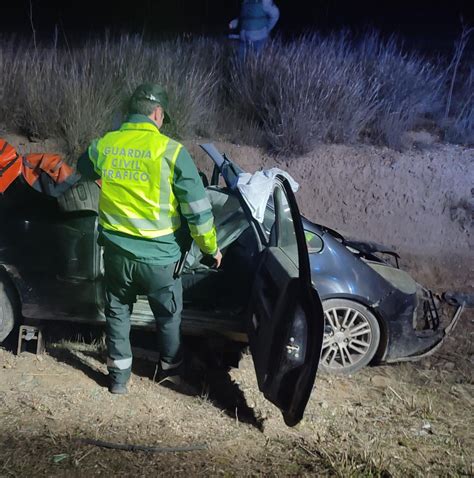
285	320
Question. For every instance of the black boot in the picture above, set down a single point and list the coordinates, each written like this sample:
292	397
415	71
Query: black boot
118	388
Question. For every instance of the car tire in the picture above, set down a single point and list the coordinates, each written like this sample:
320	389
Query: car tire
351	336
8	309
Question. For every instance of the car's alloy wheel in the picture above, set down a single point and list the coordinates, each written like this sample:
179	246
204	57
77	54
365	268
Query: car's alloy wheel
7	310
351	336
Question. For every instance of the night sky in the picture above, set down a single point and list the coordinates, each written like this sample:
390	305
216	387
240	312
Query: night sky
437	22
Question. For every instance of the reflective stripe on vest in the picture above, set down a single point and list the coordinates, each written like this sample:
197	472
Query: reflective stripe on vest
252	16
136	165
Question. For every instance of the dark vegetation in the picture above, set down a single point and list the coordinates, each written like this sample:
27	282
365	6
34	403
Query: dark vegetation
337	88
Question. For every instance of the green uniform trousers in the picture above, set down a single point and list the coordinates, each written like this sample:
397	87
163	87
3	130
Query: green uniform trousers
125	278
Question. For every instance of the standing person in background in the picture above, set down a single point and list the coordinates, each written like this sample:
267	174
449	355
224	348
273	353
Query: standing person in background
256	21
150	185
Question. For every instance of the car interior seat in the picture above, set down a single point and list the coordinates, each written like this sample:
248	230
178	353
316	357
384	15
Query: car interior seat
227	285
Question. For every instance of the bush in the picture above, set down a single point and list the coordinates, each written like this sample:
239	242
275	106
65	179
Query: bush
458	118
409	88
313	89
76	94
334	90
293	92
459	125
11	59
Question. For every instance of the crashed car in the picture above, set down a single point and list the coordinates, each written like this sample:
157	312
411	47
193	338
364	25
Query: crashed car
51	269
374	311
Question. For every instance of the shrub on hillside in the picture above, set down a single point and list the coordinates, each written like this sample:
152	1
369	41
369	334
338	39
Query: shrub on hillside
457	119
313	89
303	92
334	90
11	58
75	94
459	125
409	88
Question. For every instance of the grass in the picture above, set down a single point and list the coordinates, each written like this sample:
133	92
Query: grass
459	126
339	88
76	94
336	89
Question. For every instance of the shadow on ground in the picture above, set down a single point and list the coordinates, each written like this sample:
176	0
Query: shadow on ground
205	370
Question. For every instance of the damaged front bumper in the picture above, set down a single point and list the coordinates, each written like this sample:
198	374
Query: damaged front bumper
425	337
438	340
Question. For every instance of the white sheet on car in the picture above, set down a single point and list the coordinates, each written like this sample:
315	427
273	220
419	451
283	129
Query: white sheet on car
257	188
230	222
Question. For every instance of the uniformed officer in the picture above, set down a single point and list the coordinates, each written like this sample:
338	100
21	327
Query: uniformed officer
150	190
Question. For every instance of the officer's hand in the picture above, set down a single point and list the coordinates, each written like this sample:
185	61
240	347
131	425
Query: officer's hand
218	258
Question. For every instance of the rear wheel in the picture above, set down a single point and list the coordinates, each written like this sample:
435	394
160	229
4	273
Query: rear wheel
351	336
8	309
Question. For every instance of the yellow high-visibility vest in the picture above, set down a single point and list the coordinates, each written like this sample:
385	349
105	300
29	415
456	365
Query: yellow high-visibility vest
136	165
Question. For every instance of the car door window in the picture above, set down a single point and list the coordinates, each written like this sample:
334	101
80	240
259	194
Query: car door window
283	228
269	220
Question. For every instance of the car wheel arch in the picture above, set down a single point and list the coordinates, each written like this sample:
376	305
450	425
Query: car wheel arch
384	338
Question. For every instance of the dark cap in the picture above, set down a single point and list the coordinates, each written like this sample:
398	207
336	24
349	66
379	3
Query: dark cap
147	96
